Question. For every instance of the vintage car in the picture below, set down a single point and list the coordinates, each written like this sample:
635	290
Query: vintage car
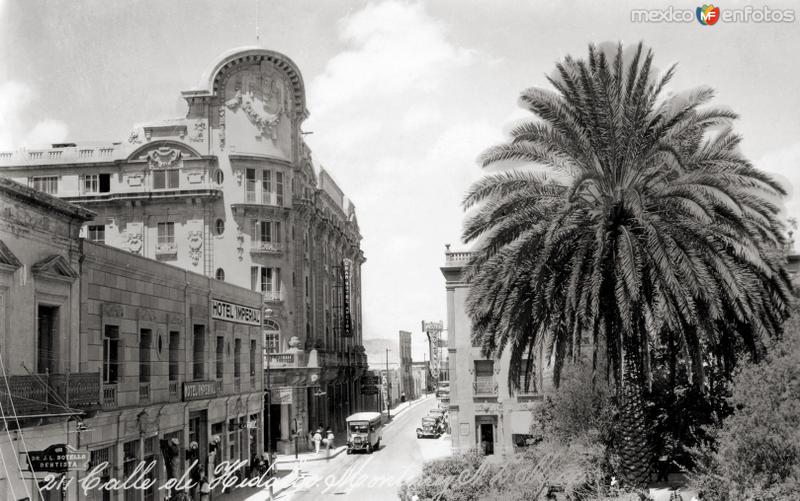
438	413
429	427
364	431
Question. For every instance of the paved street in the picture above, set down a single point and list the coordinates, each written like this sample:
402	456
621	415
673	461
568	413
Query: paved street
376	476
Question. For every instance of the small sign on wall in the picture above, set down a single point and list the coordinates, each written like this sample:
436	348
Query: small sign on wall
463	429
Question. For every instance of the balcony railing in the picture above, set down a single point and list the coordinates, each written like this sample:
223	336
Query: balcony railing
144	393
109	396
220	387
259	197
50	393
271	296
237	385
484	386
164	249
252	382
174	391
284	360
259	247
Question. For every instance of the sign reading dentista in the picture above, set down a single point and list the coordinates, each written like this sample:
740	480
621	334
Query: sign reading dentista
230	312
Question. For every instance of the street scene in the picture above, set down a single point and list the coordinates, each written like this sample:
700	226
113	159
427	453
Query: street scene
399	250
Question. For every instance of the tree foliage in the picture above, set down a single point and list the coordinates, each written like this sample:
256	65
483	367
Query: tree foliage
756	454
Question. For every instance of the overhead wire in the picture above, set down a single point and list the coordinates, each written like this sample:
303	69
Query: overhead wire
8	433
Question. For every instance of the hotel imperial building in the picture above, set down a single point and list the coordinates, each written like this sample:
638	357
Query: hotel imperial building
231	192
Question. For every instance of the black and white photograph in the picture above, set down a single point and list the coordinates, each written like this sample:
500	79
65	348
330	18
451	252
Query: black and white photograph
444	250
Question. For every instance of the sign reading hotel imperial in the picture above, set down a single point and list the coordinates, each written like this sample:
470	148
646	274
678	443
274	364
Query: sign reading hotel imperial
220	310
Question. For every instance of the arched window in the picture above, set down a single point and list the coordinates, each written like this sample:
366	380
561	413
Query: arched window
220	226
272	335
219	177
220	275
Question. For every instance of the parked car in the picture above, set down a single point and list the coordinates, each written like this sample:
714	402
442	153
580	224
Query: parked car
364	432
429	427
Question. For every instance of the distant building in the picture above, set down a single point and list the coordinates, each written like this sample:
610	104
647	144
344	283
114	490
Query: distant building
419	374
406	379
483	410
231	191
116	355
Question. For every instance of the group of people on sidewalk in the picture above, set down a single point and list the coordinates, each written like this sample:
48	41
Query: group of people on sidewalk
323	436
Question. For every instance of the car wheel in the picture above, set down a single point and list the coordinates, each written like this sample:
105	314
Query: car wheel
378	445
369	448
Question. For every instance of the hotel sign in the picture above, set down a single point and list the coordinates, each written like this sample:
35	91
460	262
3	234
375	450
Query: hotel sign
230	312
347	328
199	390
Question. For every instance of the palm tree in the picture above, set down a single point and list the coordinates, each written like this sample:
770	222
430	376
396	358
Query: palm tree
645	219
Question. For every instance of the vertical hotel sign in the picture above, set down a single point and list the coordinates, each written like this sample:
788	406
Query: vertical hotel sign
347	319
434	330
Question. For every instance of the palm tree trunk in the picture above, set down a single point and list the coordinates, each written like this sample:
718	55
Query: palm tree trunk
633	432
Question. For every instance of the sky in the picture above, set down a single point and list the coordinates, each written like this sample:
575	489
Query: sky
403	96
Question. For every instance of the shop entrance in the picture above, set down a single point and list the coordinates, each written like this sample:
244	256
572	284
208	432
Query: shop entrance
198	434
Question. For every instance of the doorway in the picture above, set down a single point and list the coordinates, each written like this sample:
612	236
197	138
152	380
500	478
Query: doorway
486	432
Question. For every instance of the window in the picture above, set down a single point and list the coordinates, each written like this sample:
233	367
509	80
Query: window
48	338
97	233
145	341
96	183
165	179
111	354
219	226
271	336
237	357
253	357
220	356
266	187
166	234
96	458
279	188
250	185
199	352
531	379
233	428
47	184
130	459
265	280
174	354
150	456
220	275
219	177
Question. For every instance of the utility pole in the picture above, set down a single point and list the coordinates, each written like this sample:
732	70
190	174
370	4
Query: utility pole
388	387
425	367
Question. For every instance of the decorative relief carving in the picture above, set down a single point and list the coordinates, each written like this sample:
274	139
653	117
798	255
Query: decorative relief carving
195	244
221	127
146	315
164	158
112	310
134	241
262	96
134	137
239	176
199	132
240	242
175	319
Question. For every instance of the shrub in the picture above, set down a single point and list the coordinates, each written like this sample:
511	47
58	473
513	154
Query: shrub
757	451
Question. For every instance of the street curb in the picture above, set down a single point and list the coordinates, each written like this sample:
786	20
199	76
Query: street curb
410	405
317	457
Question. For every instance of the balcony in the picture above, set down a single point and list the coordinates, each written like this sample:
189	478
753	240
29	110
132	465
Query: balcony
166	249
144	393
484	386
260	197
285	360
271	296
174	391
259	247
252	382
237	385
43	394
220	387
109	396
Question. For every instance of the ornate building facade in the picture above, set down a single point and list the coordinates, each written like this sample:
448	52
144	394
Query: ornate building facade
231	192
116	358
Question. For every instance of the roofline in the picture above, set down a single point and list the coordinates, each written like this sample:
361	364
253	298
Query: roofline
44	200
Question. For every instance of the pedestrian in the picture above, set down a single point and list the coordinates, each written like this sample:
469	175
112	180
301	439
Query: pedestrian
317	440
205	488
329	441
